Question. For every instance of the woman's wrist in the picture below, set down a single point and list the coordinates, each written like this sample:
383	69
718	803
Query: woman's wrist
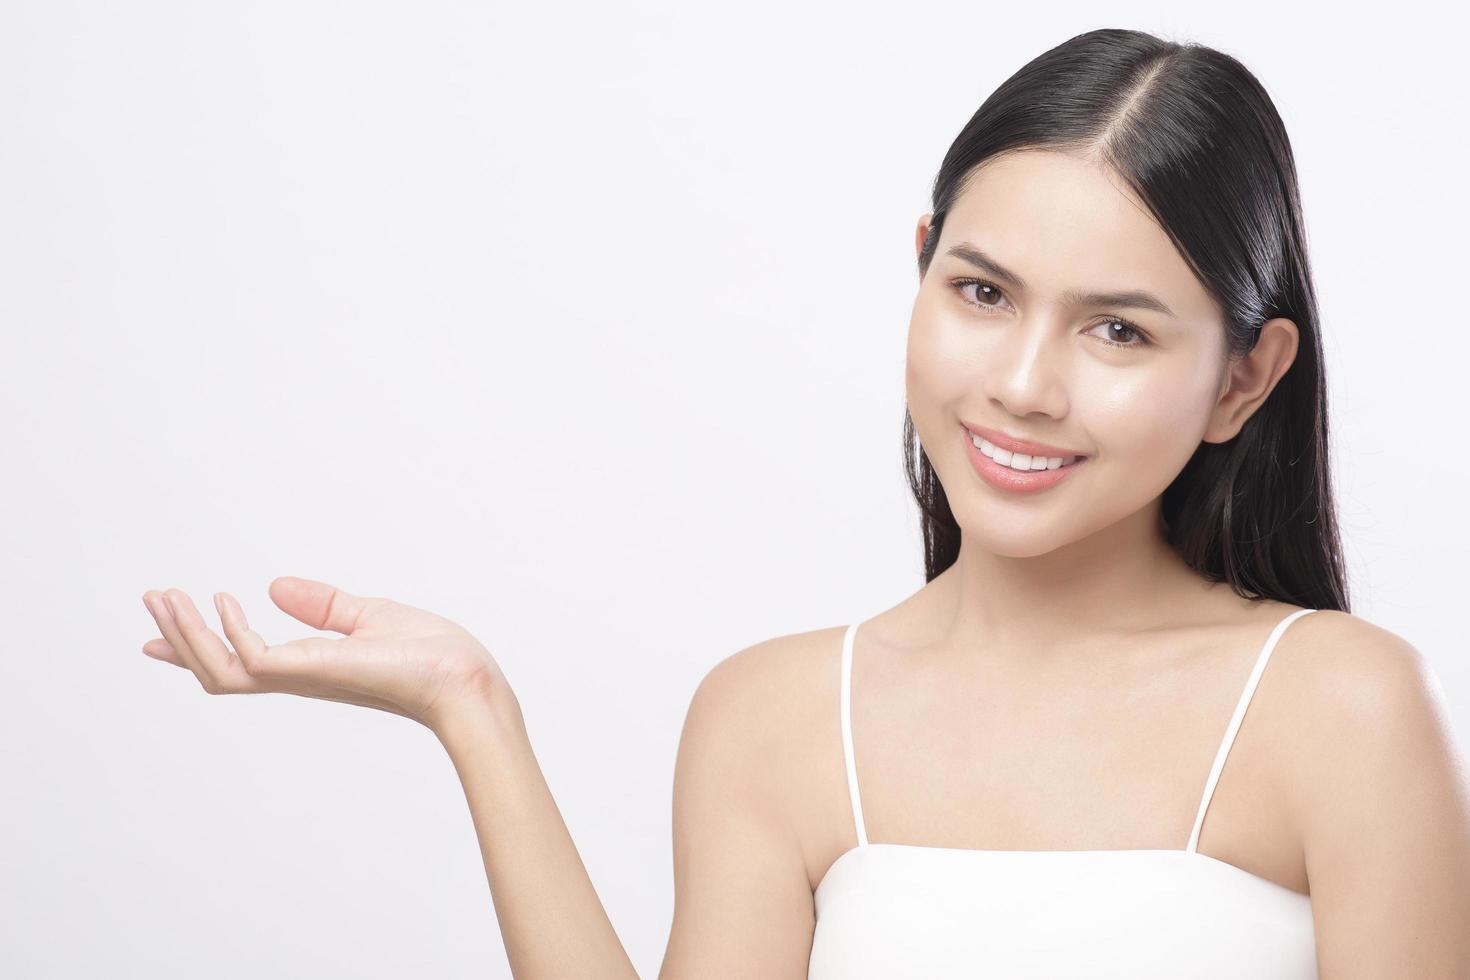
493	719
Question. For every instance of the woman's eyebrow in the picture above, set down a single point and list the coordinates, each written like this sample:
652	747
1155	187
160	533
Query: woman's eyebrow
1136	298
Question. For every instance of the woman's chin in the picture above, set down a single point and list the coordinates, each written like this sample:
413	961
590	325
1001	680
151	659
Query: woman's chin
1015	542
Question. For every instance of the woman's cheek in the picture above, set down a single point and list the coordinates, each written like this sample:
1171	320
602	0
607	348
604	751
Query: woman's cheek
1148	425
937	373
944	363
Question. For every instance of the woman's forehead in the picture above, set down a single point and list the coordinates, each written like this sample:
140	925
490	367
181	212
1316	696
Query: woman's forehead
1065	224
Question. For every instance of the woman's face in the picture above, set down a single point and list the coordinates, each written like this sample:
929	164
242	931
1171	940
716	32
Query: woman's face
1010	345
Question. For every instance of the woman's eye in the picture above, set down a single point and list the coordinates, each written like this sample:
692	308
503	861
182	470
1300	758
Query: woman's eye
985	294
1115	329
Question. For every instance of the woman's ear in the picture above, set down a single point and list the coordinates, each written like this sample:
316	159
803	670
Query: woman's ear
922	232
1249	379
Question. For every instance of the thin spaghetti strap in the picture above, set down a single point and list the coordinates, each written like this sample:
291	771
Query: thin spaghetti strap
1240	707
847	753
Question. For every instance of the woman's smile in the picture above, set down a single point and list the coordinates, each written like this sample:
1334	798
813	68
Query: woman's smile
1016	472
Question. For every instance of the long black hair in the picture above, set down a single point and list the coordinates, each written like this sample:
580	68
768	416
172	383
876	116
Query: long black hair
1196	137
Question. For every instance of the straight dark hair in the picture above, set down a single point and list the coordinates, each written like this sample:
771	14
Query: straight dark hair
1196	137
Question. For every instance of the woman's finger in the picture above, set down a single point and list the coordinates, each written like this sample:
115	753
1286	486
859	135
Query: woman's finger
232	621
223	672
170	630
317	604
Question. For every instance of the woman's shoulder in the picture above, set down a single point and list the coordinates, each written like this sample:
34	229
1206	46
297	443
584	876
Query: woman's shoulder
1336	655
1330	669
776	677
1350	687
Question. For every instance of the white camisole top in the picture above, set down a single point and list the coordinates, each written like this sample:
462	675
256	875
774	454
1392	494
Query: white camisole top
909	910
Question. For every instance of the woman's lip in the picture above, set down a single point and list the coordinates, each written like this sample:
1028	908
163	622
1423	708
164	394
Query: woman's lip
1014	445
1012	480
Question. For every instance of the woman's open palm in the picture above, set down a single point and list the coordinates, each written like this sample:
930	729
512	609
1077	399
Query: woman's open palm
391	656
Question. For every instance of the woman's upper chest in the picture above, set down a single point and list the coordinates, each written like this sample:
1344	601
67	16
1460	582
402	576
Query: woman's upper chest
1101	754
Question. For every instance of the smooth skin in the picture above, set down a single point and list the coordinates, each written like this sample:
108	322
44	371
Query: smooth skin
1063	685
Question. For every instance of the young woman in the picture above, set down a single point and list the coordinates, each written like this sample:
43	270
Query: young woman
1115	376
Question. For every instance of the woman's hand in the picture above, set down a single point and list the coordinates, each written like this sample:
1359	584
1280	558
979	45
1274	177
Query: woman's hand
391	656
422	666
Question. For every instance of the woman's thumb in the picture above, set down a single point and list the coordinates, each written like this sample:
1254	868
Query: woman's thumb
317	604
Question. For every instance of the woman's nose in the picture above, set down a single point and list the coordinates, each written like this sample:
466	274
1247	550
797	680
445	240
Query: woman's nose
1025	372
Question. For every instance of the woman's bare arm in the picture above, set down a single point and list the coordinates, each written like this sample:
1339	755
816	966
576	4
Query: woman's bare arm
551	918
743	904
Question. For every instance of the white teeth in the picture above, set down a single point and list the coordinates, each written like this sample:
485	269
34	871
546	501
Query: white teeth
1020	461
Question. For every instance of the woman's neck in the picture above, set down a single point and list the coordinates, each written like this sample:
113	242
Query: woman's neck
1121	579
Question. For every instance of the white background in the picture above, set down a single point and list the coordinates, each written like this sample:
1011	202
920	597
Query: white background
584	327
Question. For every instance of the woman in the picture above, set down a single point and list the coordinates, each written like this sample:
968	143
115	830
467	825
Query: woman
1116	378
